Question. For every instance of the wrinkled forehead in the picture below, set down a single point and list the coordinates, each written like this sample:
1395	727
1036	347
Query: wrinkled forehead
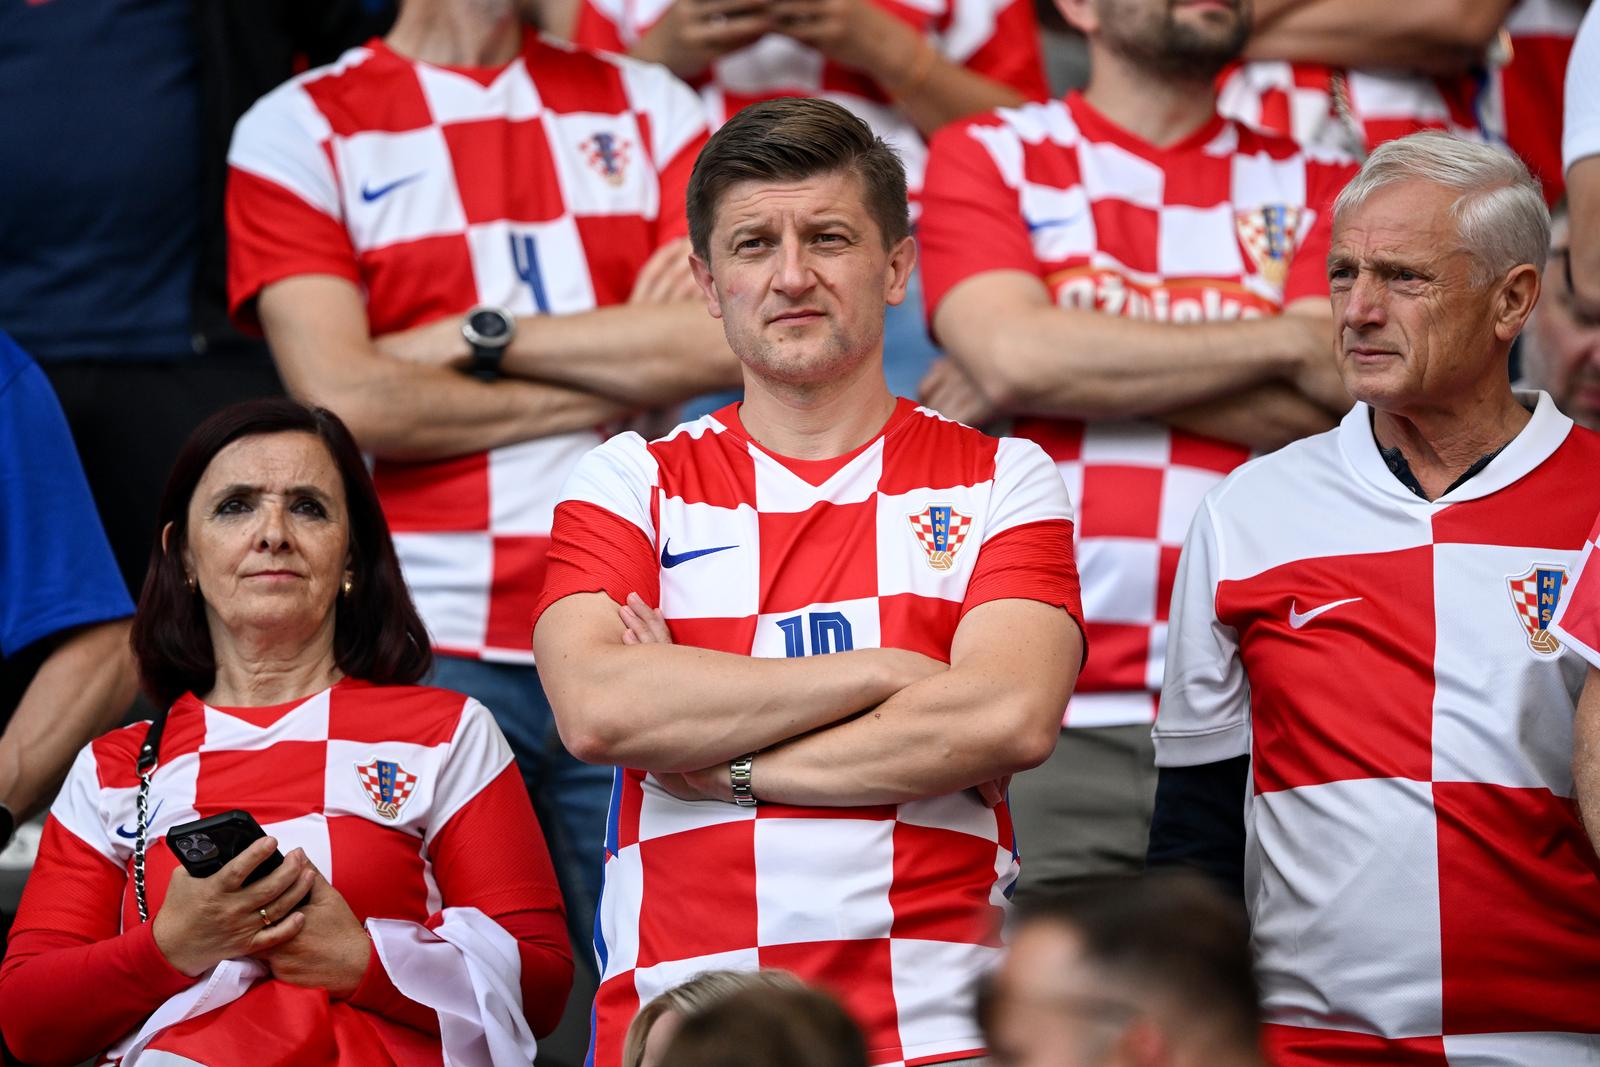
830	194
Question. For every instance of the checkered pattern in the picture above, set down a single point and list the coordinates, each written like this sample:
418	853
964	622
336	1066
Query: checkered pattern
998	39
542	187
1577	619
1420	887
894	908
1524	101
941	534
388	786
1297	100
1119	226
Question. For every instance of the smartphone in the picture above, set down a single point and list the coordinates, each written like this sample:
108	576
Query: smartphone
206	845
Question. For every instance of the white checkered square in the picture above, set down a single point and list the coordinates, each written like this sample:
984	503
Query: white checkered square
1059	221
1500	717
652	981
719	585
620	900
454	97
957	811
230	733
350	767
398	187
1182	490
1136	563
1111	171
1126	443
603	164
449	573
903	561
661	814
933	981
1198	241
774	631
309	832
525	481
778	490
1348	917
840	893
538	266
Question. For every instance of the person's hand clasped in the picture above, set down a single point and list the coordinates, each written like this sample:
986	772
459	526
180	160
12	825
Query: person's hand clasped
665	277
333	953
950	391
204	921
693	33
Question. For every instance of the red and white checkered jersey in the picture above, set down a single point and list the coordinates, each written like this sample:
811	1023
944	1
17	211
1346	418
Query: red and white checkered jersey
404	798
1299	100
1421	890
1524	104
1577	617
1227	224
894	908
998	39
541	186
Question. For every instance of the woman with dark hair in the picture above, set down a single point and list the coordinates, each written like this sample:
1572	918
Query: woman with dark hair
414	916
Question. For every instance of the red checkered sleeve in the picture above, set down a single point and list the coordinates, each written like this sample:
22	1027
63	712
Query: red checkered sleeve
282	204
67	938
1577	618
1308	273
963	195
1011	55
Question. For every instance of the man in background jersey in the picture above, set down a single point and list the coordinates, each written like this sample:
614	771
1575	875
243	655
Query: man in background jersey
1561	347
1364	703
1158	273
838	816
462	162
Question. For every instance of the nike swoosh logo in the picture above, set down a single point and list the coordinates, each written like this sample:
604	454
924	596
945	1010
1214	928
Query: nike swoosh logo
1298	619
133	835
670	559
1044	224
370	194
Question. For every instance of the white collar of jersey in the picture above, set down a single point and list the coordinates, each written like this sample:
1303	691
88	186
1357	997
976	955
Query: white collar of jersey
1537	441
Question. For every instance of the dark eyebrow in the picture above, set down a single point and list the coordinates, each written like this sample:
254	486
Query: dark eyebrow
241	489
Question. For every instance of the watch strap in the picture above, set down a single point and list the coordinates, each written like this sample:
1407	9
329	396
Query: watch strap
739	773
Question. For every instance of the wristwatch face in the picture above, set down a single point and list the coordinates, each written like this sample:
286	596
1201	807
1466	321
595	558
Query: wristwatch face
491	327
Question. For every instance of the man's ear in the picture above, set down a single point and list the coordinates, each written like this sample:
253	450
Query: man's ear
1519	291
902	261
1080	15
702	277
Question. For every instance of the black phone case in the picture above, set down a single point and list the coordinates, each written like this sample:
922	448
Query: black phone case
206	845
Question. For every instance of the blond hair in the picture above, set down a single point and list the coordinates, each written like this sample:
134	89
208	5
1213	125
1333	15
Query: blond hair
701	991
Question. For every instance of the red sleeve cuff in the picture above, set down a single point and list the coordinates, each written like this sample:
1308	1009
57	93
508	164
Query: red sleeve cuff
151	964
377	994
1033	561
594	551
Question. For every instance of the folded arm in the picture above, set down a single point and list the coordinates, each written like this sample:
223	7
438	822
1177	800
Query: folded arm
1435	36
1079	363
317	327
1586	756
667	707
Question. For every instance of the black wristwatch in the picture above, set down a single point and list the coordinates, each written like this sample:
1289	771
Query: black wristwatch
8	826
488	329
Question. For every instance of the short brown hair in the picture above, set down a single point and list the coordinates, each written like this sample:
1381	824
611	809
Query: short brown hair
793	138
775	1027
377	635
697	994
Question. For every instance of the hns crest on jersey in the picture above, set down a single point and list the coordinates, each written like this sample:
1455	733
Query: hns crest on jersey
940	530
1535	595
1268	235
608	155
388	786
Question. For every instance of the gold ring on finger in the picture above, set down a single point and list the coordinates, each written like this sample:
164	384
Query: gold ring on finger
266	921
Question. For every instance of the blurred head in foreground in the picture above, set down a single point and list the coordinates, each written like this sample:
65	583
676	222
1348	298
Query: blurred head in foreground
779	1025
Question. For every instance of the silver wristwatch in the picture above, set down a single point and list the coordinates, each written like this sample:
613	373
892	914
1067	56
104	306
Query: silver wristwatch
488	330
739	771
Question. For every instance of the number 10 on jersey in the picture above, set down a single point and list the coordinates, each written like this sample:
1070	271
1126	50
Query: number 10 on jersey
830	632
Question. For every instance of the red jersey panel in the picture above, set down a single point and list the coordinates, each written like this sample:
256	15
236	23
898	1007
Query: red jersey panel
1420	887
998	39
894	908
1228	224
541	186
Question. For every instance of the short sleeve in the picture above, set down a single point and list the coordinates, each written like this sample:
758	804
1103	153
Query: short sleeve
1577	618
284	211
1580	133
56	568
603	537
1326	176
971	222
1205	697
999	39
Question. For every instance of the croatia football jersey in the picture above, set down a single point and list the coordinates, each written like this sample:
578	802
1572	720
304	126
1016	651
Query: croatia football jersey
1346	110
541	186
998	39
1526	99
1227	224
1421	890
1577	618
895	908
404	798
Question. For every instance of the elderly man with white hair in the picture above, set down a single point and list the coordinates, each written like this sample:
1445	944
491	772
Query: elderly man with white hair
1361	660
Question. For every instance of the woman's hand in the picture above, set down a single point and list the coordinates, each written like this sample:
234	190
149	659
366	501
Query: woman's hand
204	921
334	951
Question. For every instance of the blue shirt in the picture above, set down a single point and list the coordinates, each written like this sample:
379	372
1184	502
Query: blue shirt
100	206
56	569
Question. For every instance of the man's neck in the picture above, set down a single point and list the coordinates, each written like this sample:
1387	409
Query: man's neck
260	670
1157	111
817	421
472	33
1439	445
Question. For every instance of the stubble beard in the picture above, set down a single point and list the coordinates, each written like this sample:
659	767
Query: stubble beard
1172	49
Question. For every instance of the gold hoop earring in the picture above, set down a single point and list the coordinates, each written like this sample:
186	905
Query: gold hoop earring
348	584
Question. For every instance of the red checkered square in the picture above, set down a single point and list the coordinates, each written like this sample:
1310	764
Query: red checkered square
1137	229
938	455
400	296
275	784
918	623
409	712
859	973
1303	1046
942	885
721	635
519	567
688	476
388	96
675	926
612	244
824	554
434	497
1120	502
525	188
617	998
1515	861
388	881
1302	685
